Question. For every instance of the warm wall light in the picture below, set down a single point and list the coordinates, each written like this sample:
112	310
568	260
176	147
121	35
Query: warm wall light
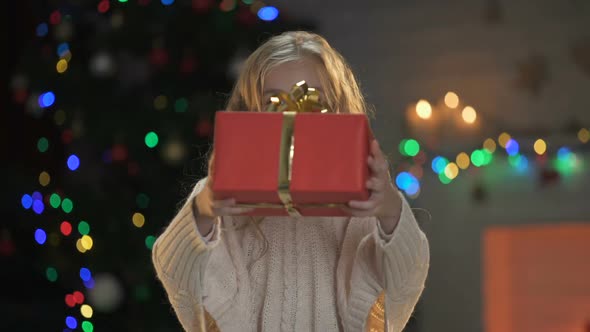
469	115
423	109
451	99
540	146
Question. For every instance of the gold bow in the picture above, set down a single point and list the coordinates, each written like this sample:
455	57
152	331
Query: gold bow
300	99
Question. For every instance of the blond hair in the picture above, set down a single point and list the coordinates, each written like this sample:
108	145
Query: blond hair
341	89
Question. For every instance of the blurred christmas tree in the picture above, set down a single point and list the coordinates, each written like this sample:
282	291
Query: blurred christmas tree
110	110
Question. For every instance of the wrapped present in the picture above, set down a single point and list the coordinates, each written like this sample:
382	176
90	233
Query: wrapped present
292	160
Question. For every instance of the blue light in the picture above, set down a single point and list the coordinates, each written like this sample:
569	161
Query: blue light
37	196
46	99
268	13
85	274
522	164
563	153
73	162
512	147
403	180
40	236
89	283
413	188
71	322
439	164
38	206
62	49
42	30
167	2
26	201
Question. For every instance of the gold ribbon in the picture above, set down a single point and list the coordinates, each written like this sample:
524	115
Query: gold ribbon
301	99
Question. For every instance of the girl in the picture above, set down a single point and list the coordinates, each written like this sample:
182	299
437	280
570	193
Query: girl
223	271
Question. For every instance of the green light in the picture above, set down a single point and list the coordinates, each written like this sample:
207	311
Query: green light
86	325
402	146
248	2
142	200
42	144
83	228
443	178
51	274
122	0
67	205
54	200
181	105
487	157
514	160
149	241
151	139
477	158
411	147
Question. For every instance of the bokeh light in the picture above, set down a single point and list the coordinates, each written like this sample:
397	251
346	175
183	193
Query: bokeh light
584	135
160	102
42	144
519	162
451	170
423	109
89	284
86	311
463	160
42	29
503	139
54	200
540	146
138	219
40	236
83	228
87	326
409	147
70	302
149	241
142	200
103	6
181	105
438	164
451	100
469	115
73	162
487	157
38	206
512	147
477	158
490	145
87	242
62	49
268	13
67	205
443	178
78	297
85	274
26	201
51	274
44	179
61	66
46	99
167	2
71	322
65	228
79	246
151	139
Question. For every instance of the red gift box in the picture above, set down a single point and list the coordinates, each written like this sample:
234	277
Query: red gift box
328	166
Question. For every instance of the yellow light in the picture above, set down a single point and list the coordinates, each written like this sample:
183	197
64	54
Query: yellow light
61	66
86	242
79	246
540	146
503	139
451	99
584	135
463	160
160	102
451	170
469	114
86	311
138	219
423	109
44	178
489	145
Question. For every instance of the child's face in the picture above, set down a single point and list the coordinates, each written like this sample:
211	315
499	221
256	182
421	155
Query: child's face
284	76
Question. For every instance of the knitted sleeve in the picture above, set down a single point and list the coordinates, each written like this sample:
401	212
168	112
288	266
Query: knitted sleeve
372	262
179	257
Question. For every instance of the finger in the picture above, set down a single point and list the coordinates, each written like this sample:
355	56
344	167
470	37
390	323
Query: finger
234	211
378	167
362	205
376	152
357	212
223	203
375	184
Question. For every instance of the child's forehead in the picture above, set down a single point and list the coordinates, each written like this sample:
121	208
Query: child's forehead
282	77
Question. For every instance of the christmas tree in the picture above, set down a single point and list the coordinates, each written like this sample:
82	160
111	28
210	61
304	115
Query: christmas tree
109	123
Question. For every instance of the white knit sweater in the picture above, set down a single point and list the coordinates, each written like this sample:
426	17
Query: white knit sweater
318	274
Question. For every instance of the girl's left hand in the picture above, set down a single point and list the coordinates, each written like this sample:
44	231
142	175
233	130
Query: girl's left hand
384	201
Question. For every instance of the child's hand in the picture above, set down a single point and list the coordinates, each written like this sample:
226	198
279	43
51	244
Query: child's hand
384	200
208	207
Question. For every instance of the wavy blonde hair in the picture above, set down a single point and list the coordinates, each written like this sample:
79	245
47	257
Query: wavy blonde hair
341	89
